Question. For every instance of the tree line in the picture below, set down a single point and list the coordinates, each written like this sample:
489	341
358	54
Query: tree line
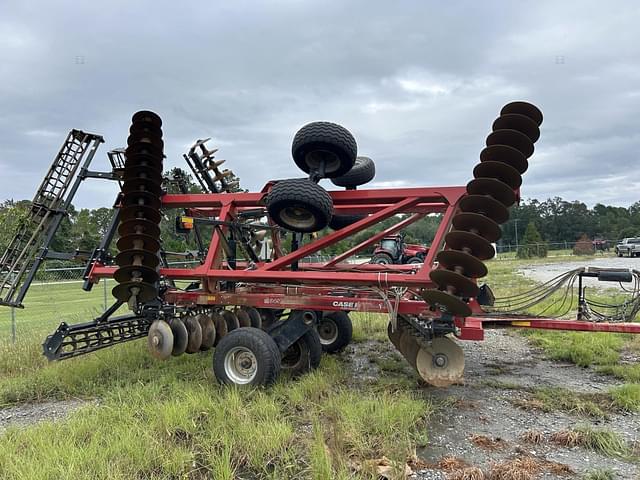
555	220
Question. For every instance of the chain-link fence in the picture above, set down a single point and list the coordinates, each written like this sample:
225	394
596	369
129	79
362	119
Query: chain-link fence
56	294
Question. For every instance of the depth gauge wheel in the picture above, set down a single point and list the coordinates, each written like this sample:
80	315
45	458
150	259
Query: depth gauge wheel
335	331
324	147
299	205
247	357
304	355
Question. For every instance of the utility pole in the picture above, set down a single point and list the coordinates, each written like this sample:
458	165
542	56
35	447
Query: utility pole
515	220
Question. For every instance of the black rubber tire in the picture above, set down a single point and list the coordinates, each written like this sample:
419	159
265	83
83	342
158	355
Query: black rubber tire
304	355
260	344
363	171
254	315
343	331
329	137
304	196
340	221
382	259
415	260
268	317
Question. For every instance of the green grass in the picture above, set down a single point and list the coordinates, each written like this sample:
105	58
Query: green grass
171	419
600	474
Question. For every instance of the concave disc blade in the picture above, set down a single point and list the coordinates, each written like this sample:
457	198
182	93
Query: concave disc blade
160	340
180	337
446	302
484	205
480	248
523	108
464	287
147	116
478	224
194	331
516	121
144	257
138	241
143	212
472	267
505	154
500	171
494	188
124	291
513	138
126	274
442	363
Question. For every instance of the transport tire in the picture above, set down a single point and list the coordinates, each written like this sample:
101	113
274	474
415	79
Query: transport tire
415	260
247	357
340	221
363	171
300	205
304	355
382	259
325	143
335	331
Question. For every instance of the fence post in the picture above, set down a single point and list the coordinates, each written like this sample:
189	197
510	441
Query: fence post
104	292
13	325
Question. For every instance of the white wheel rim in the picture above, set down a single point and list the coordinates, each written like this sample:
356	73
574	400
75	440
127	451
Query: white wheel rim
327	331
318	157
240	365
297	217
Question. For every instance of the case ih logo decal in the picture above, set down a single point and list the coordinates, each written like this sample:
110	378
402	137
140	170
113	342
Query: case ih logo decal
349	305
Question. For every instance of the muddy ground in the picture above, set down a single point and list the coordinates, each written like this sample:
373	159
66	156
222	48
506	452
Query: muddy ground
482	422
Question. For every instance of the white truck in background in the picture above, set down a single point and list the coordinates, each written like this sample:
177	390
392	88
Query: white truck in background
628	246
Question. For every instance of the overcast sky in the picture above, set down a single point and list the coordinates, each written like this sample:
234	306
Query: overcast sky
417	83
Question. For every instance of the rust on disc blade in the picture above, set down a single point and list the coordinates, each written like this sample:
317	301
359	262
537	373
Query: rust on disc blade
465	287
147	116
394	335
494	188
130	257
523	108
243	317
254	315
513	138
180	337
480	247
505	154
160	340
131	242
516	121
140	212
208	331
141	199
478	224
442	363
500	171
472	267
408	346
146	291
484	205
231	319
194	333
444	301
126	274
221	326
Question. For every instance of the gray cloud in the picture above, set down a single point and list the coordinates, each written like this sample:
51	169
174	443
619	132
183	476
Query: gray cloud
418	83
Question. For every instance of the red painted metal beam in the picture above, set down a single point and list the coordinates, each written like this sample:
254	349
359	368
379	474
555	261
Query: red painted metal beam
340	234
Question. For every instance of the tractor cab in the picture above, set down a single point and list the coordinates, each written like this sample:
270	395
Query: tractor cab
393	250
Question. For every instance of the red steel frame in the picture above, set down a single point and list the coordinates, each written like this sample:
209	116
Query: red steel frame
320	286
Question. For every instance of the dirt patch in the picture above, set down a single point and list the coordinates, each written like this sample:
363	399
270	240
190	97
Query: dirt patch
479	426
30	413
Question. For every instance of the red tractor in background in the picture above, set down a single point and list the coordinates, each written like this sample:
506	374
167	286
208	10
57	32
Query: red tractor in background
393	250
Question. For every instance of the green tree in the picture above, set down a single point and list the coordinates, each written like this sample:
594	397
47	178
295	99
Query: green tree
532	244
